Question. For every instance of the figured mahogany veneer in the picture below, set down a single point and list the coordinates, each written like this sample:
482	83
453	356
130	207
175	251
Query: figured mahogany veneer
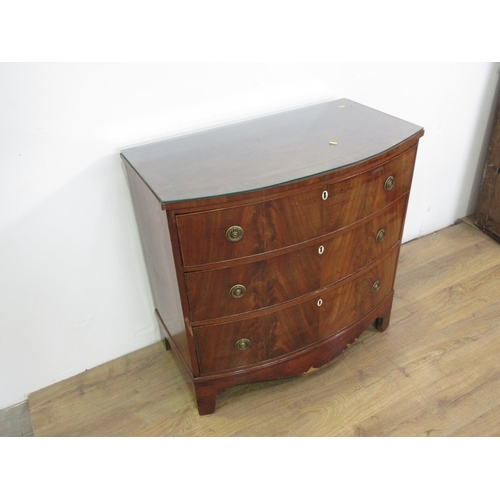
297	325
268	249
292	219
315	266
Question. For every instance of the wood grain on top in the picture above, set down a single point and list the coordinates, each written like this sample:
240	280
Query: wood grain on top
266	151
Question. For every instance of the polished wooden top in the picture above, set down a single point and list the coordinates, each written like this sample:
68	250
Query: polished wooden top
266	151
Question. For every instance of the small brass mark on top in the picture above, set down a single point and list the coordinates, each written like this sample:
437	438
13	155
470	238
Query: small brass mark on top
332	143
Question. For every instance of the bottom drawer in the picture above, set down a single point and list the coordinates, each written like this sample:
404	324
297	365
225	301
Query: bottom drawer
240	343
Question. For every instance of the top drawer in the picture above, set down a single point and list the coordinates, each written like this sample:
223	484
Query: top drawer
230	233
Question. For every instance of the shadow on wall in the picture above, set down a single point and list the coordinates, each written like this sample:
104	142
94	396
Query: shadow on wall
75	291
481	139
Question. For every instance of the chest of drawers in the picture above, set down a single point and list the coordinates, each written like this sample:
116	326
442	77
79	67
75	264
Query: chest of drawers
272	244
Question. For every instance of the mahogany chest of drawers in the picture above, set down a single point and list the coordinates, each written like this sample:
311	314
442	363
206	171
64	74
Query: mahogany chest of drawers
271	244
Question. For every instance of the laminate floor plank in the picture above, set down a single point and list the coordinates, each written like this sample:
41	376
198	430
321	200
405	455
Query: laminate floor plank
114	399
433	372
487	424
439	393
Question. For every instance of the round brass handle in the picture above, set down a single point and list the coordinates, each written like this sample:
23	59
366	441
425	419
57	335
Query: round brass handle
376	286
380	236
234	234
237	291
243	344
389	183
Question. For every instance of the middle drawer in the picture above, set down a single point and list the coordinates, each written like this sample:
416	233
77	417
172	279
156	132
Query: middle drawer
247	287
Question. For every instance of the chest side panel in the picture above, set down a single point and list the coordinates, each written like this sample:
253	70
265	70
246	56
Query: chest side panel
155	240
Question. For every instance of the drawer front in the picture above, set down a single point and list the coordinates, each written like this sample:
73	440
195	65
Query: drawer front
221	234
248	287
338	205
241	343
360	196
205	237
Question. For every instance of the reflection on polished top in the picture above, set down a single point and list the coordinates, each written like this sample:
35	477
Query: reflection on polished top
266	151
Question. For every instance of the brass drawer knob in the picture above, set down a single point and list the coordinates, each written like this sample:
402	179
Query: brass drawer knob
389	183
243	344
234	234
376	286
237	291
380	236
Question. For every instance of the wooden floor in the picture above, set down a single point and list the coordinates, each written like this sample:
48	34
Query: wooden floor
434	372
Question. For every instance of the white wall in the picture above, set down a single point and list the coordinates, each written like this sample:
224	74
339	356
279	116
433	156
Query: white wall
74	291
